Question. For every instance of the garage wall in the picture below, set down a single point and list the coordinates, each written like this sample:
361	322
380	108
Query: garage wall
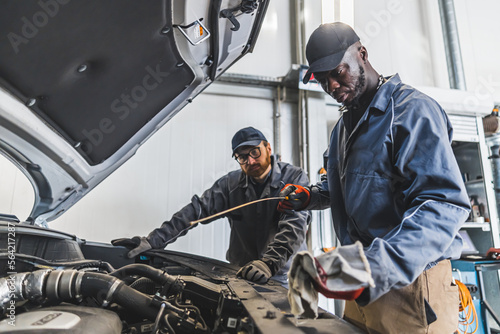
16	193
191	151
478	30
395	36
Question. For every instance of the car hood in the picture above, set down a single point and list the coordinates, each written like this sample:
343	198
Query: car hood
84	83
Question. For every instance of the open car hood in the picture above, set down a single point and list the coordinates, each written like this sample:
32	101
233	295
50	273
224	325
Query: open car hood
84	83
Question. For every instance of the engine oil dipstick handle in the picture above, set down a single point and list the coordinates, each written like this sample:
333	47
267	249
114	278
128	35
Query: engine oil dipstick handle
235	208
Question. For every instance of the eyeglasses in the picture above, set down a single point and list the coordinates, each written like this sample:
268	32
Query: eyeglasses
243	158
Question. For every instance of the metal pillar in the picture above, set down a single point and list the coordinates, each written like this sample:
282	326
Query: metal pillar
456	73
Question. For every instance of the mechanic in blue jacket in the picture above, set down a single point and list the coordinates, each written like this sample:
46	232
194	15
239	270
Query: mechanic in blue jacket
393	183
262	239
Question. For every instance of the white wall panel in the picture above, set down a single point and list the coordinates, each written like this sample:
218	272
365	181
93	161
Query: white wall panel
479	31
394	35
16	192
289	136
271	56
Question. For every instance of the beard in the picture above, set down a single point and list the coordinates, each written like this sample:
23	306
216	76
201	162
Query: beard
256	172
358	88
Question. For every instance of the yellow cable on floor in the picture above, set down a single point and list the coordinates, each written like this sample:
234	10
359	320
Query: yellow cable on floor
467	315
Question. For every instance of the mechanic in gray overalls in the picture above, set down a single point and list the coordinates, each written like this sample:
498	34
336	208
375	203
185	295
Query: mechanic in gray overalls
262	239
393	185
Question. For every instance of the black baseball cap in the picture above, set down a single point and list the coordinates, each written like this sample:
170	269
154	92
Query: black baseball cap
247	137
326	47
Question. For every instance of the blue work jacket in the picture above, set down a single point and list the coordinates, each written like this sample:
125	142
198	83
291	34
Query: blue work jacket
394	184
258	231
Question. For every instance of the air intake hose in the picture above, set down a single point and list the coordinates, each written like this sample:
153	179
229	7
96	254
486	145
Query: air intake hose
71	285
170	284
156	275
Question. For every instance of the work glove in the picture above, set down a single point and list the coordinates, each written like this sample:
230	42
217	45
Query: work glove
297	198
256	271
137	245
341	274
493	253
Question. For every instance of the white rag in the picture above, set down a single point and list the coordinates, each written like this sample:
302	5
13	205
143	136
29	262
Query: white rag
346	269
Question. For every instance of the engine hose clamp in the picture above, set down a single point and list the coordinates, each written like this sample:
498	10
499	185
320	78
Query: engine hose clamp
78	285
67	282
111	292
59	273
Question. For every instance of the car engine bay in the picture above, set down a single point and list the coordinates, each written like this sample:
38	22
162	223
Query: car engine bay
53	282
161	296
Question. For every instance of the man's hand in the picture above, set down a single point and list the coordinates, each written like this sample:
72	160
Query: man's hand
342	273
297	198
137	245
323	289
493	253
256	271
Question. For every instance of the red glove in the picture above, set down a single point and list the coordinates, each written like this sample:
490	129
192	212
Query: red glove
297	198
321	287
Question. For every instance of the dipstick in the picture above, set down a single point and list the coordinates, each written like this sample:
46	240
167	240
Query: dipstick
235	208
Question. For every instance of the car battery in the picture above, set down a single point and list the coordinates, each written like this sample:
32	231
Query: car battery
481	278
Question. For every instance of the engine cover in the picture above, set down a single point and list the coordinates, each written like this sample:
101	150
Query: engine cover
64	319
